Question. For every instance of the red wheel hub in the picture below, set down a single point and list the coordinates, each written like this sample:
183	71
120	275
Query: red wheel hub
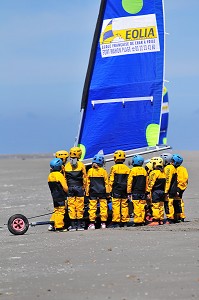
18	224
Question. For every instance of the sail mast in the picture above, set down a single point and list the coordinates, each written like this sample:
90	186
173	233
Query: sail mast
90	66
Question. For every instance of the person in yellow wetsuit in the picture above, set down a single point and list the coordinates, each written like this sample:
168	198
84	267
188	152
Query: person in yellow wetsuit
63	155
97	190
148	207
156	192
118	187
182	181
59	189
136	186
75	173
171	189
166	156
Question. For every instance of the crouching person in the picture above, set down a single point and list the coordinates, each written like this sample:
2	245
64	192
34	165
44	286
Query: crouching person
59	189
97	191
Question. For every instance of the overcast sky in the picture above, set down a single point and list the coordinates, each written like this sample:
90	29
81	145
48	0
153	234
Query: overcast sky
44	51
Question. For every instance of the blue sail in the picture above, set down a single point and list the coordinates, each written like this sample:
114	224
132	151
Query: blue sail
122	96
165	118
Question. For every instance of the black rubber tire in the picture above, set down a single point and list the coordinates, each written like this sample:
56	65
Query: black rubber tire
18	224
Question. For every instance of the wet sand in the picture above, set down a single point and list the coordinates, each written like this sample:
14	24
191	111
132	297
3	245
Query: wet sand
128	263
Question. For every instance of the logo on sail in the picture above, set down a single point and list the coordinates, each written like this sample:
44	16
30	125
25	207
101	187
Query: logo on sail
129	35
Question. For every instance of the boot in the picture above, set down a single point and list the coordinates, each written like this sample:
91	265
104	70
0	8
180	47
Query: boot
80	225
73	225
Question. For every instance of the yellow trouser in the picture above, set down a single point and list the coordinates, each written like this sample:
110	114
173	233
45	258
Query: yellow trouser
93	209
58	216
158	211
171	211
182	215
139	211
120	210
76	207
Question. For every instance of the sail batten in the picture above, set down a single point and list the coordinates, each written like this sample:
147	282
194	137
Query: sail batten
122	99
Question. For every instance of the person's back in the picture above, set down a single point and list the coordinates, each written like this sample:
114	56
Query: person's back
136	186
157	180
97	190
137	180
97	182
156	192
118	179
75	173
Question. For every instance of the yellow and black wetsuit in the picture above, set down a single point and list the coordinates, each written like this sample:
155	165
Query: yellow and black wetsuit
136	185
182	183
118	187
76	181
97	190
59	189
156	187
172	202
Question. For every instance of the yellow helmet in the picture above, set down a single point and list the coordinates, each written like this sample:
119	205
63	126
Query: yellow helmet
63	154
157	161
75	152
119	155
149	167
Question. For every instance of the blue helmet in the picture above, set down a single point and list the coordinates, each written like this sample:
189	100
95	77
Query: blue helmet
56	164
177	160
137	160
98	159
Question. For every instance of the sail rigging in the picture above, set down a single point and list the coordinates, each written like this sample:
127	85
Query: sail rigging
122	99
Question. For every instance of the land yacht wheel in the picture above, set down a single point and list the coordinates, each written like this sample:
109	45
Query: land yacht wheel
18	224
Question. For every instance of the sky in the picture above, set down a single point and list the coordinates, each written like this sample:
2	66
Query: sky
44	52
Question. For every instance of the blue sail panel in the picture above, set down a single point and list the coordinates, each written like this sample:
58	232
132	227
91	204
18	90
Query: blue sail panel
122	96
165	118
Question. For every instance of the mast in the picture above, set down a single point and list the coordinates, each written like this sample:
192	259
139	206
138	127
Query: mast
90	66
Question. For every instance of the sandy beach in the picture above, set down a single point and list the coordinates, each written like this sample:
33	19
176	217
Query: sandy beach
122	264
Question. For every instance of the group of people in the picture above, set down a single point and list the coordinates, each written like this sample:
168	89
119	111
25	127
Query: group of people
154	189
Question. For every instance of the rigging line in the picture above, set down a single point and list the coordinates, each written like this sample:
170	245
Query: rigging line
40	216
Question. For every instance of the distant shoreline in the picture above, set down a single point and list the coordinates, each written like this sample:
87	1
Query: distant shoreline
26	156
188	153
